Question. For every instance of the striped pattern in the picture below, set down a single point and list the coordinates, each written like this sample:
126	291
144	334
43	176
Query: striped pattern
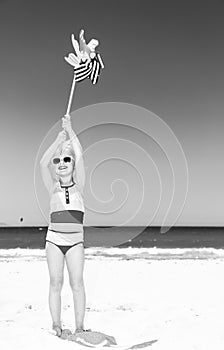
89	69
63	227
67	216
66	219
63	238
83	71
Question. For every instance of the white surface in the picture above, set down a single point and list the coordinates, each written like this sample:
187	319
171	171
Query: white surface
179	302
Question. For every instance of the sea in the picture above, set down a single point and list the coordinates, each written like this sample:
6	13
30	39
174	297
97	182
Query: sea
121	237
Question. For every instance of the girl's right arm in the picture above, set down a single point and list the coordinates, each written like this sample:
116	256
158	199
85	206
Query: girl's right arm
45	160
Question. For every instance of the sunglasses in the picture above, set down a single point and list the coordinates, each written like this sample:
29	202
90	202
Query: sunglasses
66	159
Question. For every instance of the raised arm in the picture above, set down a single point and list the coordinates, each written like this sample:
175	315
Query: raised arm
46	158
77	148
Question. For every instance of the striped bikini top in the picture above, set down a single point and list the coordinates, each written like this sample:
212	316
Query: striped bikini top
66	207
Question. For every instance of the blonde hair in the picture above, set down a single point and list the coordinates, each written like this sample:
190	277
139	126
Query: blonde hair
65	147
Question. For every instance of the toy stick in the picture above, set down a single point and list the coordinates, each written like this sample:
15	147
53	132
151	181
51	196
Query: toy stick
67	115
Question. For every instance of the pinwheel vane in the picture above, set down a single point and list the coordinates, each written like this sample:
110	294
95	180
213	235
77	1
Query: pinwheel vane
86	61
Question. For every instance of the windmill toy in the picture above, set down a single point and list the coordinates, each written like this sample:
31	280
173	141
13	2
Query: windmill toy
87	63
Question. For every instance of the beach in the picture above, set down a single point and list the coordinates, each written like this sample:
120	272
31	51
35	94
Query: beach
171	296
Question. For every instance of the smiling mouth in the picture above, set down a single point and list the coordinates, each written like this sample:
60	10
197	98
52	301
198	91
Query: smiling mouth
62	167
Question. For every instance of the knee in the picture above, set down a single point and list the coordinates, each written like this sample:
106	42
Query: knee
77	285
56	284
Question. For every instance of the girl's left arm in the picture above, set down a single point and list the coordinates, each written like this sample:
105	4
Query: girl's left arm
79	171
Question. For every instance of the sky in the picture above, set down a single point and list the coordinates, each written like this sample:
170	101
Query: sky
163	72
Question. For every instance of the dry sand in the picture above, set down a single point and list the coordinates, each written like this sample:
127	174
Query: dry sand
172	296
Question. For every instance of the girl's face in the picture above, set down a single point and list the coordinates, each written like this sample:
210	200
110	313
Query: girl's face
63	164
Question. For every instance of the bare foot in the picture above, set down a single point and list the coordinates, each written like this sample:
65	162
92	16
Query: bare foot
57	329
81	330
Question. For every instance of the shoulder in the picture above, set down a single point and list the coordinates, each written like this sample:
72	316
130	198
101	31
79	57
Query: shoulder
79	188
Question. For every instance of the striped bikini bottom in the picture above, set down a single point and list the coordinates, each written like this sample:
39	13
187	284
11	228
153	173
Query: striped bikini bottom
65	238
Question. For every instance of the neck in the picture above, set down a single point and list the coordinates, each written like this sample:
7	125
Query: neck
66	181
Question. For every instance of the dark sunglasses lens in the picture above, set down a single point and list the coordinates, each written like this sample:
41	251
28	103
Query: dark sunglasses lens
56	160
67	159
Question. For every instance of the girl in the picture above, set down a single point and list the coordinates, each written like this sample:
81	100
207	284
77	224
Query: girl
63	174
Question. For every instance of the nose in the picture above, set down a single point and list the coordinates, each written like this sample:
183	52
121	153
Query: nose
61	160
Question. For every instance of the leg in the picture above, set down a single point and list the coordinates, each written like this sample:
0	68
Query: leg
75	264
55	261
